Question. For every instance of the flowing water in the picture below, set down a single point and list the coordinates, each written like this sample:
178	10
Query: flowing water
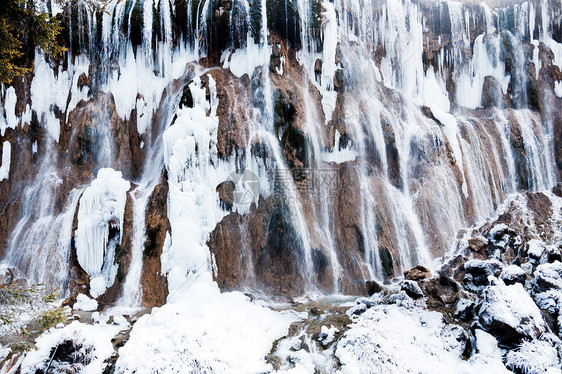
419	178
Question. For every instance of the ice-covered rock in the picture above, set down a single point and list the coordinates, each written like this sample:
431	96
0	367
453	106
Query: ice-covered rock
89	347
100	228
534	357
412	289
478	271
535	249
548	276
499	235
513	274
391	339
510	314
327	334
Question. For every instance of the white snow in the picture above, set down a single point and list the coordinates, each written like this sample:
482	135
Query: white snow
6	159
85	304
102	204
487	345
203	330
535	248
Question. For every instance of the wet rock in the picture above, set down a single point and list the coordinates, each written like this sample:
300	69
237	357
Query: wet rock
226	194
412	289
509	313
417	272
478	244
6	275
513	274
540	206
154	283
491	93
478	271
83	80
316	311
440	292
373	287
553	254
464	309
557	190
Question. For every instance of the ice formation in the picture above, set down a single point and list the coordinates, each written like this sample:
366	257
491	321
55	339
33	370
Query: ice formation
101	211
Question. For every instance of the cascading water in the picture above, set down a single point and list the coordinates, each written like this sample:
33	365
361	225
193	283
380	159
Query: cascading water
389	95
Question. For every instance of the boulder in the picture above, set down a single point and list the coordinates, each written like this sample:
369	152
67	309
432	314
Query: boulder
412	289
553	253
464	309
373	287
500	234
417	272
535	249
513	274
509	313
478	243
548	276
478	271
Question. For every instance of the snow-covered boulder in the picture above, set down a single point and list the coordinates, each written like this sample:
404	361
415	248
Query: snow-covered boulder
548	276
392	339
412	289
464	309
513	274
500	234
535	249
76	348
478	271
85	304
510	314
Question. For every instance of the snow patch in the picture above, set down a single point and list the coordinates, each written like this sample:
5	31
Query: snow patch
6	159
85	304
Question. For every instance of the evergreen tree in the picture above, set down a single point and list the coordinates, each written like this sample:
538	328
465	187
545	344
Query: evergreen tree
23	27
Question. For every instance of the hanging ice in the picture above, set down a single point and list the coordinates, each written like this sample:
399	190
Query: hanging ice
102	207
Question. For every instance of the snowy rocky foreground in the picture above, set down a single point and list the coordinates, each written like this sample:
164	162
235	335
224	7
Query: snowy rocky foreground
492	307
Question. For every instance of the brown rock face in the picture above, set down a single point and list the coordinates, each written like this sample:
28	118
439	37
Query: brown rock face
260	250
154	283
91	142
